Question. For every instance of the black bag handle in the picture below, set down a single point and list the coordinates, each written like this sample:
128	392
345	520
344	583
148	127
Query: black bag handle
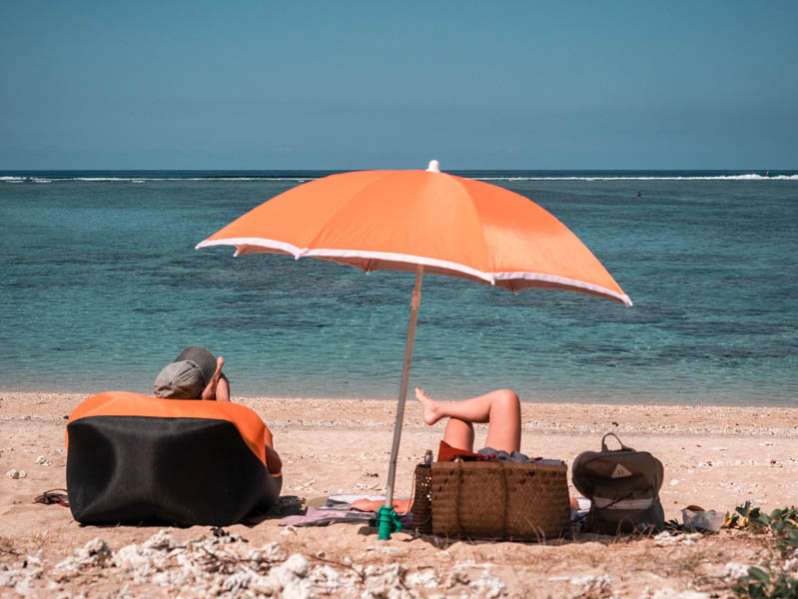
604	443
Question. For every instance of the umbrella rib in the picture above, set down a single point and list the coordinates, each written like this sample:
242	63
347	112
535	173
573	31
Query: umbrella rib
574	284
341	208
272	244
479	224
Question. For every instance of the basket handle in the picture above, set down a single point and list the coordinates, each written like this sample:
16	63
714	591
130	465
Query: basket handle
604	443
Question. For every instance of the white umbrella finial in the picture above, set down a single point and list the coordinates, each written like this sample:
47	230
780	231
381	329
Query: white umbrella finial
434	166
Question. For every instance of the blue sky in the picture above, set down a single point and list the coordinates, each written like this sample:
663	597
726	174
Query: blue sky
274	85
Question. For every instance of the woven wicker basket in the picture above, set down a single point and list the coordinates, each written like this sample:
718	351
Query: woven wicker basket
422	499
500	500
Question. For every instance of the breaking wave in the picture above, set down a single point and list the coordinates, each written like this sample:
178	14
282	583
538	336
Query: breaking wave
25	180
746	177
18	179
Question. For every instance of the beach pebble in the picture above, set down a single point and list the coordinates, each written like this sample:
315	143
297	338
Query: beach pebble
161	540
16	474
669	593
23	579
487	586
326	577
368	487
665	539
674	482
95	553
590	585
291	577
42	461
297	564
272	552
422	578
733	570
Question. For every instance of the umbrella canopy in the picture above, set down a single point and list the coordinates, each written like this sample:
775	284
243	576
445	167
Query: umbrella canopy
400	219
422	221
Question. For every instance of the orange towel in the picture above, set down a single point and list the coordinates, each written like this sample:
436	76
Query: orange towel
447	453
402	506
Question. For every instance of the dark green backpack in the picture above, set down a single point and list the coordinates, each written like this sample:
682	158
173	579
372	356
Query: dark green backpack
623	487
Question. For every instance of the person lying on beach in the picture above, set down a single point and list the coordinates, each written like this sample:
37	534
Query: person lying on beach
501	409
194	374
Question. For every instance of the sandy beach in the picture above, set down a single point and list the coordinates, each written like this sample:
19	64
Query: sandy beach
303	207
716	457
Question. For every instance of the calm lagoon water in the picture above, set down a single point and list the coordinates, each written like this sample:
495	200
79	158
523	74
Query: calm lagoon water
101	286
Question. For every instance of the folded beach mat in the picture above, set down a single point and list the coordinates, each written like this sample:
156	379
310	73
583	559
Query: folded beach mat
138	459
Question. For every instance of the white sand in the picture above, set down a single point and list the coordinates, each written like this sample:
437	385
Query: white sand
716	457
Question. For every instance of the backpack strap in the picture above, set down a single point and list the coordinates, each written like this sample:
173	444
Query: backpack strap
604	443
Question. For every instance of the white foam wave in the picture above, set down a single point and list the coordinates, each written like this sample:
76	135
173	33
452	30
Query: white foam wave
12	179
140	180
296	179
105	179
746	177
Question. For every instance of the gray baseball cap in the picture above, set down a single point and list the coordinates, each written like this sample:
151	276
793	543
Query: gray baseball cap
183	379
202	358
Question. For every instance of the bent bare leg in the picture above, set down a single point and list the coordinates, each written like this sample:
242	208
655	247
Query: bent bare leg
459	434
211	391
223	390
501	409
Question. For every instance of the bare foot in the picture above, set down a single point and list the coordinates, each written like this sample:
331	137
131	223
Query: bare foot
431	408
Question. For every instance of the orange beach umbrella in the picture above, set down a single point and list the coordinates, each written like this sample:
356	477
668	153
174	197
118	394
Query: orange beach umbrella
421	221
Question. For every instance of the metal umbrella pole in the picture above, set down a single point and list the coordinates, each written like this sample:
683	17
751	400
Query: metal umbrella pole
387	519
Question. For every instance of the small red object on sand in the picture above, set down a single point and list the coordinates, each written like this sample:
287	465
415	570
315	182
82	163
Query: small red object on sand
52	496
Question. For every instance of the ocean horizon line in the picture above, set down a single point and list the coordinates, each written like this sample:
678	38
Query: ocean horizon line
40	176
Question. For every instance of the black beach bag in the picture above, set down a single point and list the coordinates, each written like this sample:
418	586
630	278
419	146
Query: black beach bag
623	487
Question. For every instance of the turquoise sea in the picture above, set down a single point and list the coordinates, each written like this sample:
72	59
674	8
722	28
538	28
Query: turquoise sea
101	286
